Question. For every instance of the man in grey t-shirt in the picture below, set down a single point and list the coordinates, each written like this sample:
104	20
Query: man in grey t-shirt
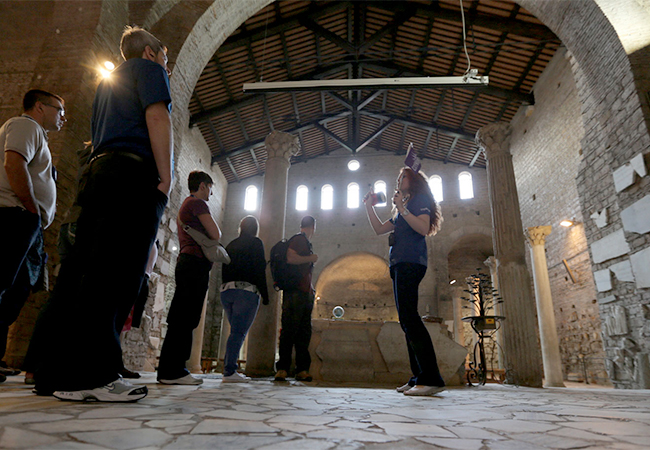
27	202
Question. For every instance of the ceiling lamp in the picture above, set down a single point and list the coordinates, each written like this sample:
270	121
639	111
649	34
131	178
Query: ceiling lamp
470	79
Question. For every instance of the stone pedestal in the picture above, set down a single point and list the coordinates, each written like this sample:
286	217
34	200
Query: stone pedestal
536	237
521	348
263	335
194	363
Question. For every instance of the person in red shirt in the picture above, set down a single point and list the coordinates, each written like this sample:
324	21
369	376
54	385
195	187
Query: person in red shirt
192	277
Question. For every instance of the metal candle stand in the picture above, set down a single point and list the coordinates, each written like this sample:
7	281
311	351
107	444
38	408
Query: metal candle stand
485	324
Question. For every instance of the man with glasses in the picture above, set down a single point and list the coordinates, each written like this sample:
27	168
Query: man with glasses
27	203
124	194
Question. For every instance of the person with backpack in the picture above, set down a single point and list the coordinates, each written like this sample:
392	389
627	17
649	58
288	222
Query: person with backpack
415	216
244	282
297	304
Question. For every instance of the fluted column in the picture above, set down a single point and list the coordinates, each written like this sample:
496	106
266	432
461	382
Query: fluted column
194	363
491	262
263	336
536	237
520	339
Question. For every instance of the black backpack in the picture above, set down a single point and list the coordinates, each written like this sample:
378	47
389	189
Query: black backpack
285	276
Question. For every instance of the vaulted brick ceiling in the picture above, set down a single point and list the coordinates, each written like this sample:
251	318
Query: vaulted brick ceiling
297	40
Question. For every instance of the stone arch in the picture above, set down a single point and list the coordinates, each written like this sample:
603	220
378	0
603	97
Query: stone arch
459	234
360	283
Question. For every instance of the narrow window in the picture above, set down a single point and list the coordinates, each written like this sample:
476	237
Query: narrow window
435	184
327	197
302	194
465	184
353	195
380	186
250	199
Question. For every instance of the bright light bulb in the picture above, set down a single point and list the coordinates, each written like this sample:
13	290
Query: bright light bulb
109	65
354	165
105	73
174	248
452	281
566	223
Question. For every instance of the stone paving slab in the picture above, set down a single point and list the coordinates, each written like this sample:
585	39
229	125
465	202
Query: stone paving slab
265	415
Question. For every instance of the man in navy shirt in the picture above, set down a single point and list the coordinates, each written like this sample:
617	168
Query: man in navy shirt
123	197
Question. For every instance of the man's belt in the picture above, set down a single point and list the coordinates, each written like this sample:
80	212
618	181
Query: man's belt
243	285
130	155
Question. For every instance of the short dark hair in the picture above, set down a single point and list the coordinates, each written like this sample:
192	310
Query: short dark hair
307	222
37	95
248	226
135	40
196	178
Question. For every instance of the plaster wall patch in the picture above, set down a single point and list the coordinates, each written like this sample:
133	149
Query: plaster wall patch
624	175
641	268
623	271
610	246
636	218
603	280
600	218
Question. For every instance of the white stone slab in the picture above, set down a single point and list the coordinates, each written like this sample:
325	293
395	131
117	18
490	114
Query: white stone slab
600	218
300	444
217	426
638	164
623	271
611	246
608	299
624	175
124	440
641	268
352	435
17	438
455	443
636	217
414	429
159	300
603	280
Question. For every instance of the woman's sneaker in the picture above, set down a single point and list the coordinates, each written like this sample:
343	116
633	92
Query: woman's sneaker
117	391
421	390
185	380
236	377
404	388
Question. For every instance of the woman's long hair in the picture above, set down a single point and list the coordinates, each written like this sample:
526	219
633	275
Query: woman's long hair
418	185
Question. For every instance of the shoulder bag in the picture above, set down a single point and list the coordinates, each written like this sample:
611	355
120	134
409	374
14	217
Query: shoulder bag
212	249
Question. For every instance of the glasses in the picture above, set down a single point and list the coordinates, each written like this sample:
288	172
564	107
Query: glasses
58	108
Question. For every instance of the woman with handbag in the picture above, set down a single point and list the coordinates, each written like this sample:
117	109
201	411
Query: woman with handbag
192	276
244	283
415	216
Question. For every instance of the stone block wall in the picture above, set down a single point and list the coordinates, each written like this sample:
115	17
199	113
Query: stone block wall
546	151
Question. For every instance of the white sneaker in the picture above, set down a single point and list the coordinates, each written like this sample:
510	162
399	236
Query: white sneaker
117	391
236	377
422	390
186	380
404	388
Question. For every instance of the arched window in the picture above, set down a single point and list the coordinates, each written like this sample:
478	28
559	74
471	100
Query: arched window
250	199
380	186
435	184
465	185
353	195
327	197
302	196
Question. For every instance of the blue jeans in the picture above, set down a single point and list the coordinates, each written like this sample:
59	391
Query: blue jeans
406	280
241	308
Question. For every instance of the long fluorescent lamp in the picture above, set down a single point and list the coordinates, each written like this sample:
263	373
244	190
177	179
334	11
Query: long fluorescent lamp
366	83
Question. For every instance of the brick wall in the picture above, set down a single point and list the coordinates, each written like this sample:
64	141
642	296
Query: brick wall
546	151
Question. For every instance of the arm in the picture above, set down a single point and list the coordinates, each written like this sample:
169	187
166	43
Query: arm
159	125
294	258
420	224
210	226
376	224
19	180
260	271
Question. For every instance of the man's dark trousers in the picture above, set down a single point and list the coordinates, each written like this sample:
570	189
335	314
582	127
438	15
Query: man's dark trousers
22	236
297	307
121	212
192	277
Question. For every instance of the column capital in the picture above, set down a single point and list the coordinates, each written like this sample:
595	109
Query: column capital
494	138
281	145
491	262
537	235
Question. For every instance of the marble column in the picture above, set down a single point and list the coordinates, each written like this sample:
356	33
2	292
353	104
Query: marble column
522	352
491	262
536	237
194	363
263	336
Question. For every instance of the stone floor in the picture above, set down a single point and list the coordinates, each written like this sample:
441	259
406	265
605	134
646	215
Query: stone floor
285	416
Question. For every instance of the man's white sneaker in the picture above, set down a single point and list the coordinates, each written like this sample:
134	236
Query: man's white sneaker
422	390
236	377
404	388
117	391
186	380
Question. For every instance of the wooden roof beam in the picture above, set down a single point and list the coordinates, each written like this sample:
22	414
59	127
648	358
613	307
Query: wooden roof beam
453	132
